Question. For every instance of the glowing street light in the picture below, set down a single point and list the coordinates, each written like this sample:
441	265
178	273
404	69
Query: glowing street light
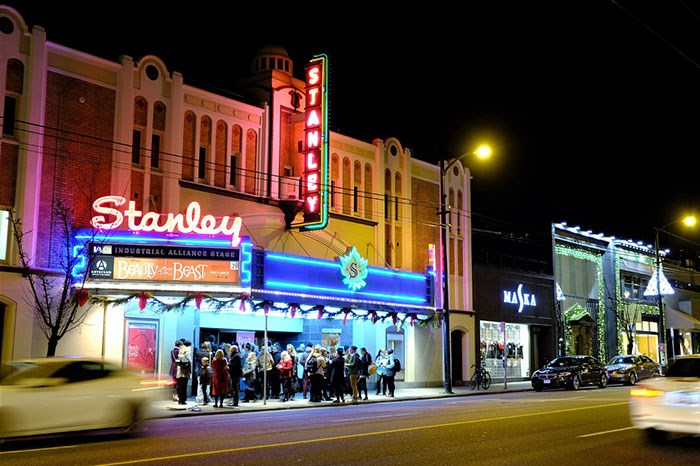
482	152
661	284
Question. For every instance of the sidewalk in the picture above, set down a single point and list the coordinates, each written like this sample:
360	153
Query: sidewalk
167	408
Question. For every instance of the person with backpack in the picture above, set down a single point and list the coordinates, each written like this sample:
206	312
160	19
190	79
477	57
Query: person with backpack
390	372
365	361
184	372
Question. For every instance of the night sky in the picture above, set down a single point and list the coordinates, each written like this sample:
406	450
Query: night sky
591	106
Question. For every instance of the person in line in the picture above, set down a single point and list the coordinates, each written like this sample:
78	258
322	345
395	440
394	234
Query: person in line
235	370
390	373
306	382
274	377
220	379
317	377
285	373
337	376
326	386
264	372
203	352
353	366
249	369
381	361
212	343
205	376
294	383
174	353
184	372
365	361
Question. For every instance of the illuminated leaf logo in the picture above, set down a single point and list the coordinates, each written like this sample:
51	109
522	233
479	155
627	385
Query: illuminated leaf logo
354	269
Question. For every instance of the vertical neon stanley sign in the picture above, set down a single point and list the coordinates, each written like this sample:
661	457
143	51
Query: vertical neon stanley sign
315	189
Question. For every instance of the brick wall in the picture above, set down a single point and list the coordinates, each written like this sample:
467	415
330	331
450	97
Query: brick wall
77	154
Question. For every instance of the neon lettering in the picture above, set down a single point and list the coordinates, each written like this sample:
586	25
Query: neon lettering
313	96
314	75
311	163
313	139
191	222
312	182
312	201
312	119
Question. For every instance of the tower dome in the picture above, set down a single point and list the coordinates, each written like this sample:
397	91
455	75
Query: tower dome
272	57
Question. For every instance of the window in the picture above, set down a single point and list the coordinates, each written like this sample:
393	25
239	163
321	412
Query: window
155	150
136	147
232	174
4	233
202	169
633	287
9	119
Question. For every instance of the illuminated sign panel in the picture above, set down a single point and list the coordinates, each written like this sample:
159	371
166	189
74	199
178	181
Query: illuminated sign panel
156	269
315	178
192	221
305	279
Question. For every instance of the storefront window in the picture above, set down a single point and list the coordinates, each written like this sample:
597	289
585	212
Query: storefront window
515	346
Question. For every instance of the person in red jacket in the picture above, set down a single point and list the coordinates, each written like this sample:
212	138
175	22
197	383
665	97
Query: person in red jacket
285	370
221	378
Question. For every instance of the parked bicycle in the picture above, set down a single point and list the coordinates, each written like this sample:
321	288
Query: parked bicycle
481	378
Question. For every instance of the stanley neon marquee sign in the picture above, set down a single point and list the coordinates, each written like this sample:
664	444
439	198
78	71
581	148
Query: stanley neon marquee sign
315	189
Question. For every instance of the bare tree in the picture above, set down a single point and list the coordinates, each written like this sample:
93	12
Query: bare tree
628	313
56	310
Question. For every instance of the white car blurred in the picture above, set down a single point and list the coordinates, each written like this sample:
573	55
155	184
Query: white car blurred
671	403
54	395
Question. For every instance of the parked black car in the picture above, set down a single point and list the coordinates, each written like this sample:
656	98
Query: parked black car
629	369
570	372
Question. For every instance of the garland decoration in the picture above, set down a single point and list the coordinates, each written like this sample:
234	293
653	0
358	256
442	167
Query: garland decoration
143	299
82	296
243	302
198	299
243	297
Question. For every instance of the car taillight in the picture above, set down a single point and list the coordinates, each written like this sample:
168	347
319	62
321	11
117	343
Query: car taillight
642	392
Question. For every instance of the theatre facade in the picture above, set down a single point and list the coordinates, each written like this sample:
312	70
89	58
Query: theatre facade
194	213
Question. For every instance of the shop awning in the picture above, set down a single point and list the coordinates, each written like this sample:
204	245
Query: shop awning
680	320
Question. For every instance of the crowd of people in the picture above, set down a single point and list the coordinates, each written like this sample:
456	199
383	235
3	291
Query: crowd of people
226	371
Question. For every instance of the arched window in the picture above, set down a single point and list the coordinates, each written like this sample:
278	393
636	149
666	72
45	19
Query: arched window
220	154
251	150
368	191
188	146
204	154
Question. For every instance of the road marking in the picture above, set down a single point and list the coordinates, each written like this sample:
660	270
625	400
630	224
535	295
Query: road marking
606	432
37	449
360	435
365	418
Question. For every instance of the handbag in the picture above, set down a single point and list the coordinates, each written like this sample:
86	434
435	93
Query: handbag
372	368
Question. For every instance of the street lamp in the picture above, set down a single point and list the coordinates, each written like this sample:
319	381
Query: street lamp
688	221
482	152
